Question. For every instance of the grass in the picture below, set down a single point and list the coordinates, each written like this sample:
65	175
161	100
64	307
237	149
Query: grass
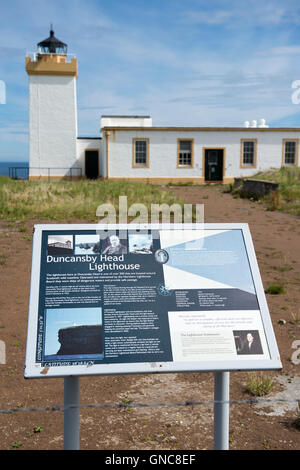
22	199
259	385
287	198
275	289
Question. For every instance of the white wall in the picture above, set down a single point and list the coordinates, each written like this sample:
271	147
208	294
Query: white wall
163	151
52	123
125	121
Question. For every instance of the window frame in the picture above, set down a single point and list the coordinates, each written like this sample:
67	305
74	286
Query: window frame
242	163
284	142
179	165
140	165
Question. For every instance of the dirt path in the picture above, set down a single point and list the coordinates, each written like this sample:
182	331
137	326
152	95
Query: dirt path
276	239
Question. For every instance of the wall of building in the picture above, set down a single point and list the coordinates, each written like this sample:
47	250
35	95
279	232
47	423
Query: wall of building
53	124
163	152
125	121
84	144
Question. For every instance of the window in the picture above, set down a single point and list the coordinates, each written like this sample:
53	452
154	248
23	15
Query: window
185	153
140	153
290	155
248	153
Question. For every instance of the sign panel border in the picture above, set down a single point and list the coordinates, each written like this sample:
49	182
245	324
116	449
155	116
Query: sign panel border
34	369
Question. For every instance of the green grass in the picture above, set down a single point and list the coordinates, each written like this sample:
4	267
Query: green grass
20	199
288	197
275	289
259	385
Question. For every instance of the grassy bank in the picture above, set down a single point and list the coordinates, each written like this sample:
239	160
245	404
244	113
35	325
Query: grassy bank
20	199
287	198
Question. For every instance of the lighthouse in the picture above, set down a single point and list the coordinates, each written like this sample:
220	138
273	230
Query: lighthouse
52	110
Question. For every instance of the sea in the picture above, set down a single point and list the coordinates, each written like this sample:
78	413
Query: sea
21	173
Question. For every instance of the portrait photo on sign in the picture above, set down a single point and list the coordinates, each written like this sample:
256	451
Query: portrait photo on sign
113	245
60	244
247	342
140	243
73	333
87	244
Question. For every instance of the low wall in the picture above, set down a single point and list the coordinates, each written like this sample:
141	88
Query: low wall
254	188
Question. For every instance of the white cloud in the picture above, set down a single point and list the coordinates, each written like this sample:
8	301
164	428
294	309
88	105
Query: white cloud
210	17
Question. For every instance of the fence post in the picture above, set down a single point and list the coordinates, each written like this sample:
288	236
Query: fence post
71	413
221	411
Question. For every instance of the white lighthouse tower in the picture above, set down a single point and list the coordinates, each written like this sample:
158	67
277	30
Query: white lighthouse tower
52	110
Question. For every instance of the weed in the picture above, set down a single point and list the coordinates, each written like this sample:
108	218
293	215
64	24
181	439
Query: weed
127	401
266	444
296	422
295	319
284	268
275	289
259	385
2	259
16	444
37	429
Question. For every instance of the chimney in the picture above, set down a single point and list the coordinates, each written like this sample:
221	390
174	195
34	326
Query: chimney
262	123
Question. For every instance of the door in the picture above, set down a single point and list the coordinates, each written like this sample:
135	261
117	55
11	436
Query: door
214	164
92	164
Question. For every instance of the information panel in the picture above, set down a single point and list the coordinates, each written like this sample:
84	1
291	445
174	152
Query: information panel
133	299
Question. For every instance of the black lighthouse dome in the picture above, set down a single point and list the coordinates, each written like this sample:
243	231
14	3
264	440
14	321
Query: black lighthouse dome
52	45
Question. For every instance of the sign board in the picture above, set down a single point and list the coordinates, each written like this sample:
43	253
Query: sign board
149	298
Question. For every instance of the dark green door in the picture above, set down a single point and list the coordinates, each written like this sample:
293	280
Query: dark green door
91	164
214	164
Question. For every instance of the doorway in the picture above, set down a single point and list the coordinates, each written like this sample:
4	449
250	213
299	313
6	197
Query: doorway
213	164
92	164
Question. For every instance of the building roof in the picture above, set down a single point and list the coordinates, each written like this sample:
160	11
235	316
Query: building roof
124	116
204	129
52	45
90	138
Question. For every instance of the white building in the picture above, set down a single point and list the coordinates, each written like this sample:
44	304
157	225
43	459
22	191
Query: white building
130	146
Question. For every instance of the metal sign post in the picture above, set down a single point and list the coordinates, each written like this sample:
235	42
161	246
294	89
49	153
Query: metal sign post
71	413
221	411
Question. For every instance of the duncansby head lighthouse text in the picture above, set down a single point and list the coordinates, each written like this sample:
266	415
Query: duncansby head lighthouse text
101	263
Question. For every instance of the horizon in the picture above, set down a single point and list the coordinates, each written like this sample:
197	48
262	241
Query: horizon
183	64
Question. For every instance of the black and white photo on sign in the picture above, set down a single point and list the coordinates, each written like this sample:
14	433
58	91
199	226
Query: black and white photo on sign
248	342
140	243
113	245
60	244
87	244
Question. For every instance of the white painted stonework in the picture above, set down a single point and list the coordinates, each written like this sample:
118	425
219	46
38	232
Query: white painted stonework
53	124
125	121
163	151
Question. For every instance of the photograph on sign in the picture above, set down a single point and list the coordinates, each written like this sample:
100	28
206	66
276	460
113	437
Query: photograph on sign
157	300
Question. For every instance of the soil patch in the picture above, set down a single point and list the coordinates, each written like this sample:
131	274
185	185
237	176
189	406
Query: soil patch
276	238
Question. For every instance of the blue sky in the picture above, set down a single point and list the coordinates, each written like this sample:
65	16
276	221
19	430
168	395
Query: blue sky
185	63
